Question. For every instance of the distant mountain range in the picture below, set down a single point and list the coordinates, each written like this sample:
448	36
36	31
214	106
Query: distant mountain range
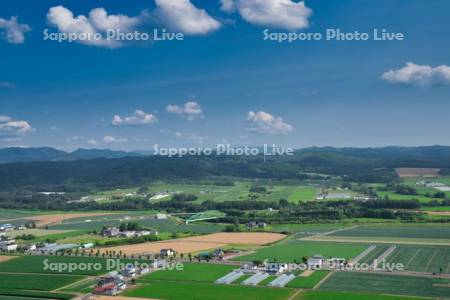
47	167
17	154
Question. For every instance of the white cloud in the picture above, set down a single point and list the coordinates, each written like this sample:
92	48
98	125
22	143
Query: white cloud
110	139
190	110
81	140
227	5
139	118
421	75
92	142
10	128
183	16
265	123
13	31
97	22
285	14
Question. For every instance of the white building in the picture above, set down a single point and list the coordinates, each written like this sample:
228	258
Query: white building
315	262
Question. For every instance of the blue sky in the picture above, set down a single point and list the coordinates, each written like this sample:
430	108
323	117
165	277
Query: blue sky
223	83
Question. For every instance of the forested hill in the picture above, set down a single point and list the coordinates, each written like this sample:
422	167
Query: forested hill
370	164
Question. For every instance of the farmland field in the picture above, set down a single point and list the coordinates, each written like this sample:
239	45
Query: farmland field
191	272
207	291
386	284
294	251
35	281
325	295
307	282
239	191
167	225
422	259
374	254
426	231
36	264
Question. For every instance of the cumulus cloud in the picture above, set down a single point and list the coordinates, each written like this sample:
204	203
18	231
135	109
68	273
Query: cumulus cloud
190	110
183	16
13	31
10	128
97	22
265	123
421	75
227	5
110	139
138	118
285	14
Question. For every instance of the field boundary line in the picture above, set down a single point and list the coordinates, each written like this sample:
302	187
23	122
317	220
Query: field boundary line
430	260
412	258
292	297
322	281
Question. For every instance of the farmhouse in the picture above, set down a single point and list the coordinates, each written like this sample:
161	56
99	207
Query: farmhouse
6	227
8	245
315	262
276	268
161	216
110	232
167	252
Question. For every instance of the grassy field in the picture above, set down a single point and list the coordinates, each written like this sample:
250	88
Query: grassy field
386	284
207	291
36	282
36	264
6	214
422	259
294	251
324	295
239	191
36	232
426	231
168	225
307	282
191	272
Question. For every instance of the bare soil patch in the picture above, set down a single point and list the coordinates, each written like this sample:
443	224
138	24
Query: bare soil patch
239	238
417	172
4	258
438	213
199	243
43	220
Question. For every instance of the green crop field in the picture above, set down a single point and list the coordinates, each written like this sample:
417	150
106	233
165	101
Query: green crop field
36	281
239	191
374	254
37	264
191	272
6	214
294	251
426	231
307	282
167	225
207	291
422	259
387	284
324	295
